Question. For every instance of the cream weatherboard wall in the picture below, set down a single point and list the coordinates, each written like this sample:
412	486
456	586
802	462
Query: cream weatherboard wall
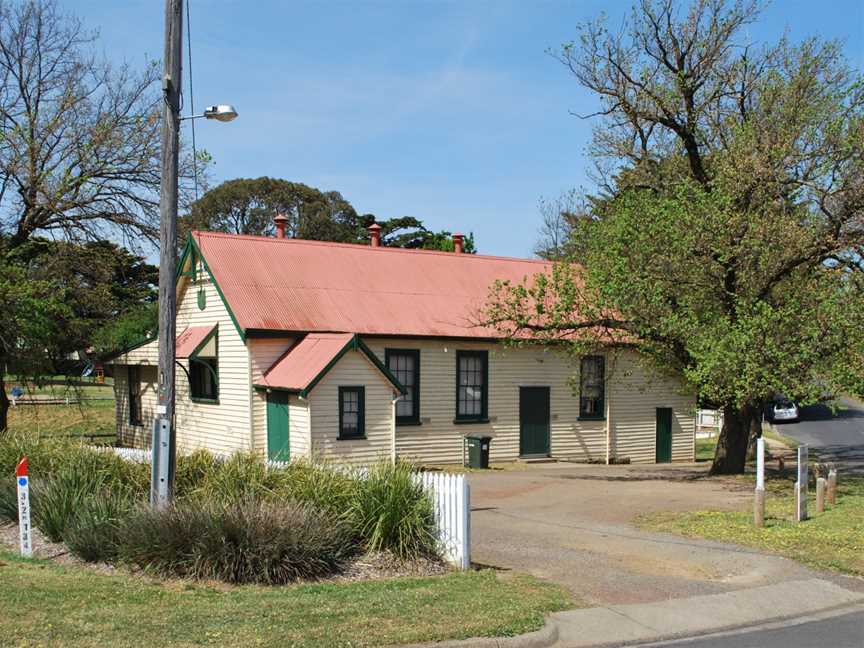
352	369
135	436
631	402
262	354
222	427
636	391
299	431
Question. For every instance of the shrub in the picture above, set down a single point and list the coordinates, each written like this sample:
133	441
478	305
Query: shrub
85	474
93	531
55	500
391	511
320	485
243	475
247	541
192	470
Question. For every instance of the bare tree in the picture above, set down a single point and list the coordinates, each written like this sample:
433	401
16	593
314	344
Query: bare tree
79	146
558	217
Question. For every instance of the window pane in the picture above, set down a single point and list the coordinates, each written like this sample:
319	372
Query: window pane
404	367
591	385
471	392
351	414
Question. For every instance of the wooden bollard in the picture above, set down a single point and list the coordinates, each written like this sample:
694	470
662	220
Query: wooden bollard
832	487
759	508
821	484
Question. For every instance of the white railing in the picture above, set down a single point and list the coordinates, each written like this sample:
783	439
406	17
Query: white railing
135	455
451	497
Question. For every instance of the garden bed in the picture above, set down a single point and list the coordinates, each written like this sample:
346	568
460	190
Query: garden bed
237	520
373	565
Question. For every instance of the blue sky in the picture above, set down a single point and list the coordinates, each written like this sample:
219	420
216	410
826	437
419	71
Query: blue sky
448	111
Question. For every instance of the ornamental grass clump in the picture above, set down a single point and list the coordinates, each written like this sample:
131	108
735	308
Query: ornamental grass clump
246	541
93	532
391	511
326	487
243	475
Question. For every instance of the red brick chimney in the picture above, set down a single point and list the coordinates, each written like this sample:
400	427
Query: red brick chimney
458	240
375	235
281	222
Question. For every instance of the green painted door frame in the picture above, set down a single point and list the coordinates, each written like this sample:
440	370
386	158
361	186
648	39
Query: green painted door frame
534	421
277	426
663	453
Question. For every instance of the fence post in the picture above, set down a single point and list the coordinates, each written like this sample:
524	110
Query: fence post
832	486
759	495
820	495
801	485
466	514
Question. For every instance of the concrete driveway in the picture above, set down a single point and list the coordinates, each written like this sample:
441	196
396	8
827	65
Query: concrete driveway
571	523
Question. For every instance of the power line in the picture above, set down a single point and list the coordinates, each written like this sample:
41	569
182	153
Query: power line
191	98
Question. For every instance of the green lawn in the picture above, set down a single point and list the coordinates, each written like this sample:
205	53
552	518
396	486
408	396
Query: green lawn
705	448
832	540
77	607
82	419
64	387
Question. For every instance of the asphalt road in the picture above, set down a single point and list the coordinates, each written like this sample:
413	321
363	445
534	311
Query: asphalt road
833	436
846	631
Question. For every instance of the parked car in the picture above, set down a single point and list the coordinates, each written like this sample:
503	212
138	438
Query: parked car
782	409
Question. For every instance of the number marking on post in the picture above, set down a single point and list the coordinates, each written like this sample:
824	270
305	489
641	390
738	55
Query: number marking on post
25	533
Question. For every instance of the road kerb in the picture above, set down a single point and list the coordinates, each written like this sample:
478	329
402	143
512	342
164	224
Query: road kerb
625	624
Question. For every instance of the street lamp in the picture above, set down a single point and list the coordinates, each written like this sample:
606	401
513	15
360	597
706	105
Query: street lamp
222	113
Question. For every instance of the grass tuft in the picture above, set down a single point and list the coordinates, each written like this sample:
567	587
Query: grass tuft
246	541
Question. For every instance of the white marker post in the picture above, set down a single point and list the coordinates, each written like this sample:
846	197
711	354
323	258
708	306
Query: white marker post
801	485
759	498
25	533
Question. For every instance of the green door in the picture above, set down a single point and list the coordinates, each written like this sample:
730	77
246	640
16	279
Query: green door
533	421
664	435
277	426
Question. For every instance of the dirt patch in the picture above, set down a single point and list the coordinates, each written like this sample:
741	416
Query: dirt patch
381	565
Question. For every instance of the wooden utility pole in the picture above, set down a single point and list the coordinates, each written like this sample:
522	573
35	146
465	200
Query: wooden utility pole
164	443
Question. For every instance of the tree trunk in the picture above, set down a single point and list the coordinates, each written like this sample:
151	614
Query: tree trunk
4	404
739	424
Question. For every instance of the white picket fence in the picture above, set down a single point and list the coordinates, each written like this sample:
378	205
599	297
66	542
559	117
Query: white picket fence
451	496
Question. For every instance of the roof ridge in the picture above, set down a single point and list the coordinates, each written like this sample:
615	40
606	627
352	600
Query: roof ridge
369	248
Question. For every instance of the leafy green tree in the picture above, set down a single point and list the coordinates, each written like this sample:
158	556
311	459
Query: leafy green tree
247	206
726	242
29	315
103	286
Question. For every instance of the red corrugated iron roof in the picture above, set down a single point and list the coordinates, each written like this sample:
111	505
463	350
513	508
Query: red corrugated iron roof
298	285
305	363
190	339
